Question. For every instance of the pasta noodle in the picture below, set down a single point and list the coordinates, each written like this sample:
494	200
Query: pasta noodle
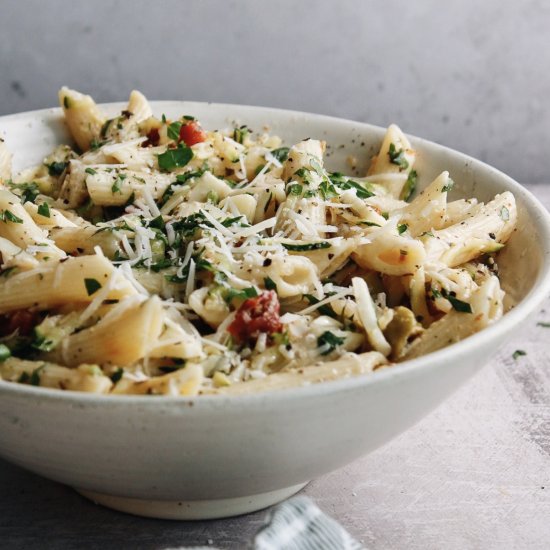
159	258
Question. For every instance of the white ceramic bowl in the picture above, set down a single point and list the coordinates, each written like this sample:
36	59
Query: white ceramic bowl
217	456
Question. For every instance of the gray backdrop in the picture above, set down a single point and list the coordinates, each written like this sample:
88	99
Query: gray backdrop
471	74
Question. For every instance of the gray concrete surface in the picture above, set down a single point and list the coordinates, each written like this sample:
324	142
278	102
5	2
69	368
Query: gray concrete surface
472	75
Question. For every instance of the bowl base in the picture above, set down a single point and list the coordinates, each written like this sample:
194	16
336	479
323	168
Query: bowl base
192	509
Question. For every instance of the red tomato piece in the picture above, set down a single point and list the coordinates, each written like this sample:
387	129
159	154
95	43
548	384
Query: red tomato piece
192	133
153	138
21	320
257	315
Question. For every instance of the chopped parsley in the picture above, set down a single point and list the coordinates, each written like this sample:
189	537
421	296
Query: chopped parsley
397	157
402	228
343	182
448	186
518	353
92	286
175	158
105	127
173	130
44	210
56	168
184	178
29	191
34	379
270	284
243	294
329	340
42	343
90	171
281	154
306	246
157	222
543	324
325	309
95	144
370	224
294	189
8	216
327	190
458	305
410	186
115	188
66	102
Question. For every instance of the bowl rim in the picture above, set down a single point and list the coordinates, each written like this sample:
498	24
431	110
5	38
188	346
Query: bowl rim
408	369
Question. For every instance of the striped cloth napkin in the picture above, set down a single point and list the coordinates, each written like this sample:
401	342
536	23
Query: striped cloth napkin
298	524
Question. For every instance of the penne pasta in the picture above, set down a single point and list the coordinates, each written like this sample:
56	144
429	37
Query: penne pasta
171	260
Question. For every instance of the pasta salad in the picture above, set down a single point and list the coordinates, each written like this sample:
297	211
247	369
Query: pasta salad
155	256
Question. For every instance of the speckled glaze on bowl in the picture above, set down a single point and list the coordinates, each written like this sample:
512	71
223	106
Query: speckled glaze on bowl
216	456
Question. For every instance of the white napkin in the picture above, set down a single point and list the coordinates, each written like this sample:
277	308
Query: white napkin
298	524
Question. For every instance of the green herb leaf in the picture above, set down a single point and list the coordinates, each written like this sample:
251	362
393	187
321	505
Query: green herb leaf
34	379
458	305
325	309
281	154
295	189
243	294
115	188
518	353
448	186
56	168
95	144
175	158
8	216
44	210
402	228
174	131
270	284
397	157
92	285
370	224
157	222
66	102
29	191
43	344
306	246
343	182
90	171
330	339
543	324
327	190
410	186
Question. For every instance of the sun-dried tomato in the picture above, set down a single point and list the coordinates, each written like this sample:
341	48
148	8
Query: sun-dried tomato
153	138
255	316
21	320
